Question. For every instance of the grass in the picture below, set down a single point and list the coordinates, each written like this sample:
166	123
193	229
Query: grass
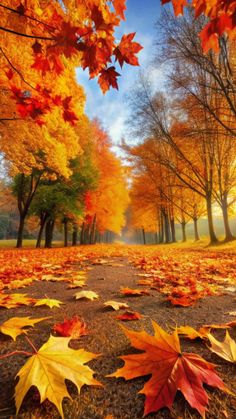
27	243
190	244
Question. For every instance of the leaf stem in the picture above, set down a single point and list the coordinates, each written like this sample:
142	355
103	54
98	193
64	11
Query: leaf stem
16	353
31	344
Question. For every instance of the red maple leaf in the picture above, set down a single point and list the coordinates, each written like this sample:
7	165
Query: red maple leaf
126	50
74	327
120	7
169	369
129	315
107	78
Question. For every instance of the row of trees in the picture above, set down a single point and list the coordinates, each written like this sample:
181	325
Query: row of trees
185	161
59	164
89	198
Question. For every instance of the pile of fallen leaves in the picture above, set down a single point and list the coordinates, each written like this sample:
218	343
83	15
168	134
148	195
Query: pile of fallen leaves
183	278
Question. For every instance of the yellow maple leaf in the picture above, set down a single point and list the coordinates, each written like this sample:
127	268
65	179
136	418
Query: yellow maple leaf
90	295
48	369
15	326
116	305
50	302
225	349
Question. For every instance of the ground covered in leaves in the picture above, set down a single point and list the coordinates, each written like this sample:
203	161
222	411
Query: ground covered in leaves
174	287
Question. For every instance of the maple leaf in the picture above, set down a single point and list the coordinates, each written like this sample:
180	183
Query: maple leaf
126	50
107	78
15	325
120	7
50	302
77	284
170	370
15	300
48	369
225	349
129	315
135	292
191	333
178	5
116	305
74	327
90	295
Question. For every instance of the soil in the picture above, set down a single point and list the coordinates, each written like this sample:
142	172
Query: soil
118	399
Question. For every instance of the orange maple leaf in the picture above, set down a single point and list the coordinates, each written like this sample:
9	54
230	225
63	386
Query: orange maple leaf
107	78
120	7
170	370
74	327
126	50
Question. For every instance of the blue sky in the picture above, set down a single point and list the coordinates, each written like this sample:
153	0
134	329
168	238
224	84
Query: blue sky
112	108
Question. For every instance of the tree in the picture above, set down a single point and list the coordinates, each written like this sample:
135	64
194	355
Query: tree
105	206
221	19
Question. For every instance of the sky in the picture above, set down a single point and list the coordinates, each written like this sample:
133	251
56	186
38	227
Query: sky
112	108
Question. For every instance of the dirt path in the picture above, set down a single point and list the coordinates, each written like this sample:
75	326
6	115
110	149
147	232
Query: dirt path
118	399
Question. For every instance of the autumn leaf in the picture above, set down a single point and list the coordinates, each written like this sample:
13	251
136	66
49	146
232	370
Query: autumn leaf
225	349
133	292
170	370
129	315
48	369
120	7
108	78
126	50
191	333
15	300
116	305
74	327
76	284
90	295
178	5
50	302
15	325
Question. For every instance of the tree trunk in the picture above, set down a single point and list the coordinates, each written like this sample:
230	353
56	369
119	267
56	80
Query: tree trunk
228	235
156	237
65	233
20	231
213	238
196	235
172	226
49	233
43	219
166	227
82	234
93	230
144	236
75	235
161	229
183	225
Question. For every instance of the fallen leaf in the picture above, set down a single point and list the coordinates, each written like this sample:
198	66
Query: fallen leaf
90	295
50	302
191	333
170	370
76	284
116	305
130	291
15	325
225	349
74	327
48	369
129	315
